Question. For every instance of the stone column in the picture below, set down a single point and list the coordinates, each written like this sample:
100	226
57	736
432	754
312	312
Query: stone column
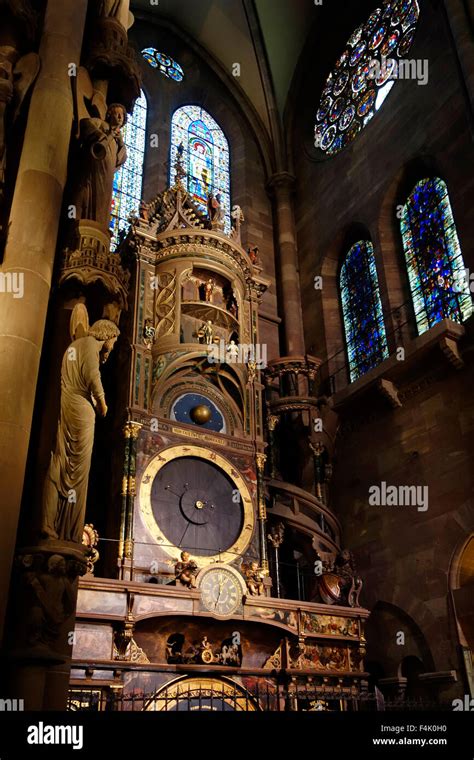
461	28
281	185
29	255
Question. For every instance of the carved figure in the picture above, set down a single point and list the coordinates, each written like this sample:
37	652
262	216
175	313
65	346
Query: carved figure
65	487
53	601
254	255
230	300
215	210
276	535
185	571
206	333
209	289
350	583
148	333
102	153
90	538
237	216
254	578
144	211
232	351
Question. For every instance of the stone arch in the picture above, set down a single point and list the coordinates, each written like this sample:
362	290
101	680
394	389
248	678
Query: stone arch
461	590
387	646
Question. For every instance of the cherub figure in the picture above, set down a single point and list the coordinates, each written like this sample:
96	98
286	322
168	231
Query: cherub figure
254	577
185	571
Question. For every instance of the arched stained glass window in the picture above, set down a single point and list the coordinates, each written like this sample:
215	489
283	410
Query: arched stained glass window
362	310
436	272
374	57
166	65
128	180
205	156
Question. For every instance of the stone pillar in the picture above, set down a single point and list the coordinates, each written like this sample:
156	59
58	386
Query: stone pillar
462	32
30	253
281	185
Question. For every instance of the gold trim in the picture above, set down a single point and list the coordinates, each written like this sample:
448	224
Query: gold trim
230	692
195	434
180	452
261	459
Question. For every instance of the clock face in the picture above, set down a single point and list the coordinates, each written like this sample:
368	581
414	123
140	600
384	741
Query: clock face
193	499
197	506
221	592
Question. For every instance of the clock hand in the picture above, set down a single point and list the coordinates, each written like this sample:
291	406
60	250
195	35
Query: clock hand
221	583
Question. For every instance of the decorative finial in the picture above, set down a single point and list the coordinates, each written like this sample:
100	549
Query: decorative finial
180	172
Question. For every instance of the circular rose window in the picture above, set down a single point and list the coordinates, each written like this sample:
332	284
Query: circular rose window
374	58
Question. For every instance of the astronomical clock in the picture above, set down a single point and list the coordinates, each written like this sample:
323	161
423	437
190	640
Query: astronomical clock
230	567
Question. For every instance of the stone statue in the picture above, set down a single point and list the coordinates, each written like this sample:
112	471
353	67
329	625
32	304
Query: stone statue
65	487
102	153
254	578
236	217
185	571
53	600
118	9
215	210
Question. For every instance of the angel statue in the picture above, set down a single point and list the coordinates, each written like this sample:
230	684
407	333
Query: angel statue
82	394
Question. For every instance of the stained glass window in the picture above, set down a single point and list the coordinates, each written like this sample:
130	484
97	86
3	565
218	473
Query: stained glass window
365	73
364	327
166	65
205	156
436	272
128	180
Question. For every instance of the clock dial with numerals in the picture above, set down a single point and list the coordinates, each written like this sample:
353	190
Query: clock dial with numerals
221	591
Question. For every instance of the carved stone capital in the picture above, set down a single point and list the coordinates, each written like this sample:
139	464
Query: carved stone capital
44	593
91	261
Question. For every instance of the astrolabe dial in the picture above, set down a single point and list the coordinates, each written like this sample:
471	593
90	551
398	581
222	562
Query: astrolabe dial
194	499
197	506
222	590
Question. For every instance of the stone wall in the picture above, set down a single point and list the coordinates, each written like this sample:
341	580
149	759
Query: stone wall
403	554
